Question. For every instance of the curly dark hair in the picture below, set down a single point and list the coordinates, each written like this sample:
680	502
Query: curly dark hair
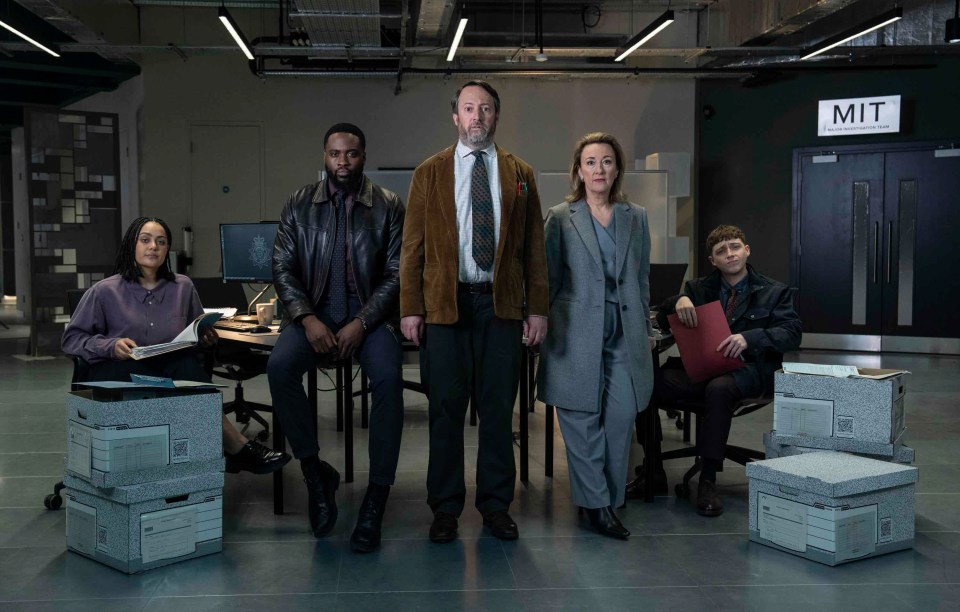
126	265
722	233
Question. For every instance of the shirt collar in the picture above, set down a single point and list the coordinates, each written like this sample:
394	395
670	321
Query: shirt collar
463	150
142	294
738	288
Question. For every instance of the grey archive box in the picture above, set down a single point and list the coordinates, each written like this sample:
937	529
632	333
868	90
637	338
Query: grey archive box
832	507
119	437
864	409
776	445
140	527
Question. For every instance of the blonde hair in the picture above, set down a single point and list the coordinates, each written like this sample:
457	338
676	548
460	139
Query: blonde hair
579	191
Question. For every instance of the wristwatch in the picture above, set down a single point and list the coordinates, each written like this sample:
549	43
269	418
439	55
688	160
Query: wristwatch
363	322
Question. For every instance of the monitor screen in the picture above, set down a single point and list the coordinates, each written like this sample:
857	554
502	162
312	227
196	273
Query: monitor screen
246	250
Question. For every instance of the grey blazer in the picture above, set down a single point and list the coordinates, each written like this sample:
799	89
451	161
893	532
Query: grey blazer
571	356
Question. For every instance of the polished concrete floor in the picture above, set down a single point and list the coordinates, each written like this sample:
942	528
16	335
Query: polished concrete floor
674	560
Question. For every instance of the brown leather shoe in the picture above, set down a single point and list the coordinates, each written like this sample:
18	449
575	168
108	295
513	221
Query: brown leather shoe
501	525
444	528
709	502
637	487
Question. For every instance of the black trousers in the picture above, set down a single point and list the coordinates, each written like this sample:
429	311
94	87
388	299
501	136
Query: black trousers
185	364
476	359
381	358
719	396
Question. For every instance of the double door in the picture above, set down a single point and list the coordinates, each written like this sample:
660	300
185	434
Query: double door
875	241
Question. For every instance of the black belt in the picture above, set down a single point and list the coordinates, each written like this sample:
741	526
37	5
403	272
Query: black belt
475	287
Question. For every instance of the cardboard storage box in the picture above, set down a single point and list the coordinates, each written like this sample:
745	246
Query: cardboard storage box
785	446
119	437
140	527
832	507
869	410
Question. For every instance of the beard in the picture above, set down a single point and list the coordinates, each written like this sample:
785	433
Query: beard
350	182
479	138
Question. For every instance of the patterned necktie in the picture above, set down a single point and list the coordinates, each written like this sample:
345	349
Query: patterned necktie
337	296
731	305
482	214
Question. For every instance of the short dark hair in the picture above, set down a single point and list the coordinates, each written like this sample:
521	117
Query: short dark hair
722	233
487	87
346	128
127	266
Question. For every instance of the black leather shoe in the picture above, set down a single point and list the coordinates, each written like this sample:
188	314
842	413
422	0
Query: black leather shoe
256	458
708	501
366	535
322	483
444	528
606	523
637	487
501	525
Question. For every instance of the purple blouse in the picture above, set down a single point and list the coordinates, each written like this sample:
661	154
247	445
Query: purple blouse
114	308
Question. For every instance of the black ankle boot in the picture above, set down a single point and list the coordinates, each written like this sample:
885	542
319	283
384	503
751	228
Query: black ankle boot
606	523
366	536
322	483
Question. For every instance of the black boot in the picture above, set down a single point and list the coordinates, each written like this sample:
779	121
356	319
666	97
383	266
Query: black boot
366	536
606	523
637	488
322	482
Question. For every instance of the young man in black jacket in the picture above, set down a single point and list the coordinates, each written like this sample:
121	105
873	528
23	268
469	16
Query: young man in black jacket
763	324
336	268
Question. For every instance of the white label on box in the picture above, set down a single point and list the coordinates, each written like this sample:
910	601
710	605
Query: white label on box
782	521
78	449
794	416
81	527
167	534
128	450
180	451
856	532
886	530
846	427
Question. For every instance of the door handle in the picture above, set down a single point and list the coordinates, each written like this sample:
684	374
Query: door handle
889	247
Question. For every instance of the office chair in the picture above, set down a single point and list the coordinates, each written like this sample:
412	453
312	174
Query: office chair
81	373
735	453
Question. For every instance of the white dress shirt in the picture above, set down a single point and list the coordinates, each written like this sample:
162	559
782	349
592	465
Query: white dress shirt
463	162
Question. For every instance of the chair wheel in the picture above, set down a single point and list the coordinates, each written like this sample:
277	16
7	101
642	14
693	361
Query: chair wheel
679	422
52	502
682	491
263	435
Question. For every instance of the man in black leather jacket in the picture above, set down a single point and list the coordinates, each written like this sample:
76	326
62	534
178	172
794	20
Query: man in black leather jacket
763	325
335	269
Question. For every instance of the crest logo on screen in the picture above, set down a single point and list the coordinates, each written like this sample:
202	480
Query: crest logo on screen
260	253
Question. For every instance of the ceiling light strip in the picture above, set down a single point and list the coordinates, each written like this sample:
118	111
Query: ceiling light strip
646	34
227	20
874	24
456	39
28	39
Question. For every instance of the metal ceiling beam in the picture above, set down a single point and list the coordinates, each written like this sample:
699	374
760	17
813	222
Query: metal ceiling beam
52	13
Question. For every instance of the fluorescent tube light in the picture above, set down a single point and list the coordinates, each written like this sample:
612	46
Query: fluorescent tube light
227	20
456	39
646	34
10	28
865	28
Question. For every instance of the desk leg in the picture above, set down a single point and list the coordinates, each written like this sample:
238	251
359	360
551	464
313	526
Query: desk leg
524	417
364	405
651	449
548	441
339	398
532	377
348	421
278	444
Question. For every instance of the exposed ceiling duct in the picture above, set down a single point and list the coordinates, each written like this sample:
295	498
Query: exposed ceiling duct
51	12
337	22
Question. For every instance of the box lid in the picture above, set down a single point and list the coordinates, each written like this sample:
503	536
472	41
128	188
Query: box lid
147	491
832	474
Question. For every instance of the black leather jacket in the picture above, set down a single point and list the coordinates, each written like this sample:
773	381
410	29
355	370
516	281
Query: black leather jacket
766	319
304	246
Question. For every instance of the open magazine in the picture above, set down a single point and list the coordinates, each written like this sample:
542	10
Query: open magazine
188	337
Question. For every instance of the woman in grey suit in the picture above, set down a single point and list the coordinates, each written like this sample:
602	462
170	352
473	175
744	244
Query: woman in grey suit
596	364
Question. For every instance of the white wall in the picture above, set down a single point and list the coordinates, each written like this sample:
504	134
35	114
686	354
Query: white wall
540	121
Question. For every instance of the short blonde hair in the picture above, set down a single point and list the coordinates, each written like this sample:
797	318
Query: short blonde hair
576	184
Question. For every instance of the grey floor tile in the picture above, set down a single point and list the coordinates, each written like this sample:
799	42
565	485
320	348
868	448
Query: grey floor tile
75	605
927	597
593	561
462	601
246	603
421	565
938	512
26	492
256	568
33	442
939	479
31	464
29	423
850	598
32	527
661	599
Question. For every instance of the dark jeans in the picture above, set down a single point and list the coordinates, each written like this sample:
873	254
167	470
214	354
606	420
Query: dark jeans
185	364
719	396
475	359
380	356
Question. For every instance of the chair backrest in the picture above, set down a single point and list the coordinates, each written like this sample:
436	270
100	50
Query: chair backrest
73	299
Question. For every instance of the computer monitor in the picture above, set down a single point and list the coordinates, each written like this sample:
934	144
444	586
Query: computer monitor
246	251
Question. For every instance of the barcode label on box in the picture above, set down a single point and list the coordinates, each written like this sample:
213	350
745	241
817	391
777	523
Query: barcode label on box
180	452
886	530
101	538
844	427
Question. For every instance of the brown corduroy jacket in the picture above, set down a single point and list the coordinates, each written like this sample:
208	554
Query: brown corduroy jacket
429	260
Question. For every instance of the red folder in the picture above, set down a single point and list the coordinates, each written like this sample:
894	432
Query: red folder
698	345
